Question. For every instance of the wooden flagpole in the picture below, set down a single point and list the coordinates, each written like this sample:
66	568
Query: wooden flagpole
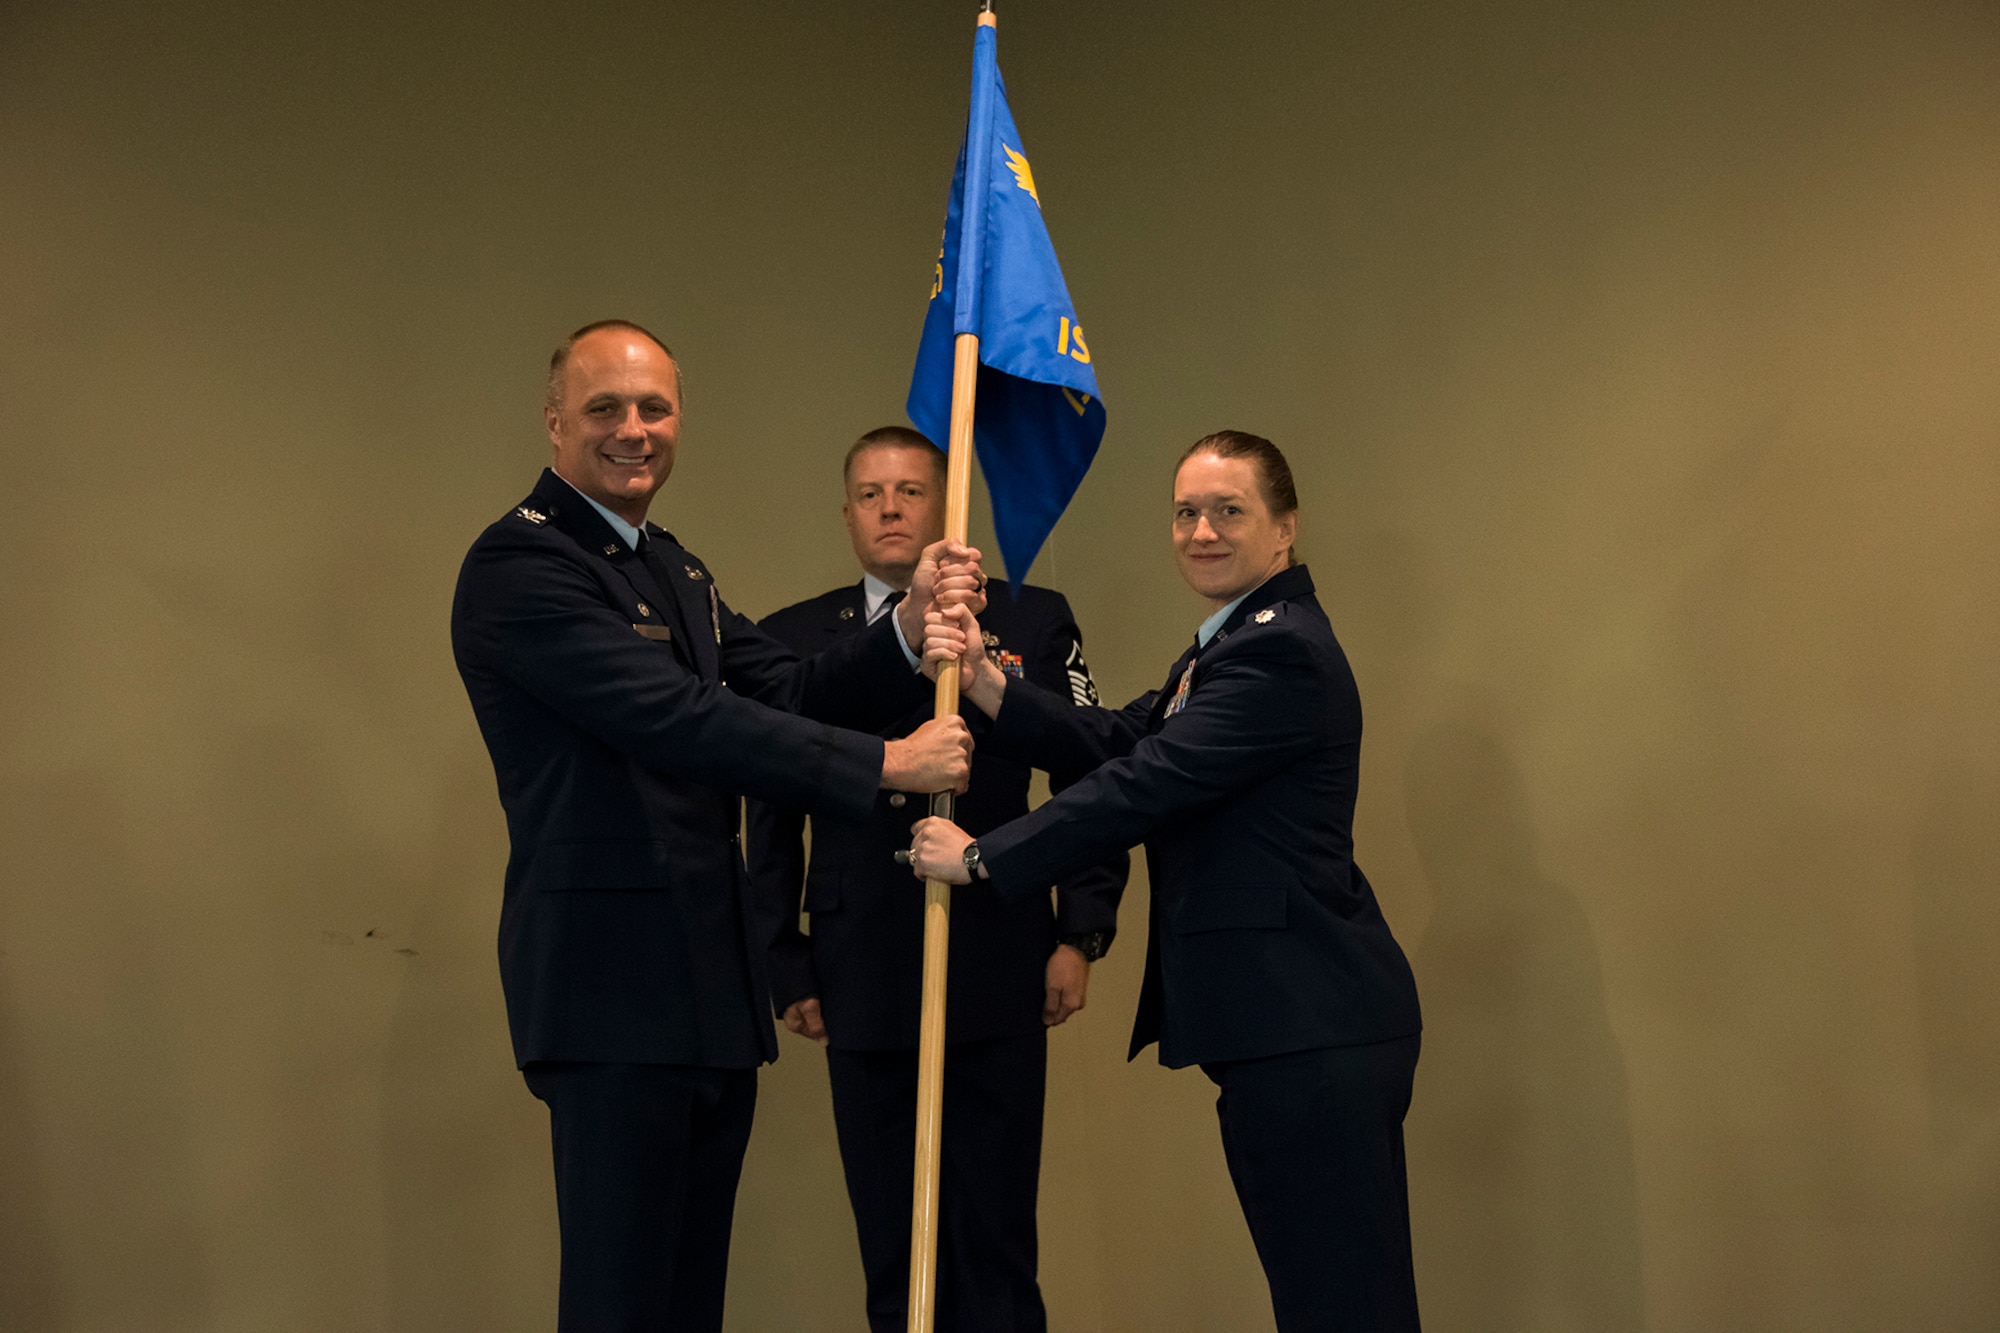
937	893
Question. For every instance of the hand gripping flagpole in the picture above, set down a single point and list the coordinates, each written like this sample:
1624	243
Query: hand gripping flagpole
937	893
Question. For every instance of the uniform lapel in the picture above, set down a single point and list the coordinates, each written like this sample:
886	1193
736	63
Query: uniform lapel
569	513
848	613
690	591
1281	586
660	596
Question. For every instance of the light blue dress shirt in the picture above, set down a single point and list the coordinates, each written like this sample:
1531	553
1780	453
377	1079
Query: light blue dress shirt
1214	622
874	597
618	525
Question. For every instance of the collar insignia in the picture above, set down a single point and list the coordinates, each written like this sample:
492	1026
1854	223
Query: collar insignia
1265	617
535	516
847	613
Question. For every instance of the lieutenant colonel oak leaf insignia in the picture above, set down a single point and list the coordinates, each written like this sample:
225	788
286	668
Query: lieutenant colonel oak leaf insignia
1023	177
1265	616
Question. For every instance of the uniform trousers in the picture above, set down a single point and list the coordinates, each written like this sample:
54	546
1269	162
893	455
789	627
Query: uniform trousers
647	1159
990	1161
1314	1141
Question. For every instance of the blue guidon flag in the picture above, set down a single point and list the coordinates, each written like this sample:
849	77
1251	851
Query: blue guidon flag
1038	417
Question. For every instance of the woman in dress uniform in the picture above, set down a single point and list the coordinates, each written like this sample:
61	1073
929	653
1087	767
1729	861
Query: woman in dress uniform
1269	964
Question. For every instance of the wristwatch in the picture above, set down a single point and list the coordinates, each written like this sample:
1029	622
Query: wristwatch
972	861
1092	944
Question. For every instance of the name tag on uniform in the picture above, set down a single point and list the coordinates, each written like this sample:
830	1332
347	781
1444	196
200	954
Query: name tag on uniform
660	632
1179	701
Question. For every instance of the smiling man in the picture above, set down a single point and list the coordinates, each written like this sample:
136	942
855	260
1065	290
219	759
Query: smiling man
616	434
1016	969
626	709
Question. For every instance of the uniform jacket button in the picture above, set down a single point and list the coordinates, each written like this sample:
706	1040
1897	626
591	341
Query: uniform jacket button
897	800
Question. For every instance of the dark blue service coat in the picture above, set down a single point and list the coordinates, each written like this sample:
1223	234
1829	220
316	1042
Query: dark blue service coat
626	926
1265	936
864	959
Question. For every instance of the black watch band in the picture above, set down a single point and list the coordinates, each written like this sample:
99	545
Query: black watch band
1092	944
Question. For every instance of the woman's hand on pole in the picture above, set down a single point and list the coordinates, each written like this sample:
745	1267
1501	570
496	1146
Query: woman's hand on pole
937	850
953	633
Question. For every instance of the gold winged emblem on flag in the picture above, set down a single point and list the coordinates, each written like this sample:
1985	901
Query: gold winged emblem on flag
1023	177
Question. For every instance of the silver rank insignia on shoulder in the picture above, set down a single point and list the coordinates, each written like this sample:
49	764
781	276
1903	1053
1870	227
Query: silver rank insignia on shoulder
694	573
847	613
535	516
1179	701
1265	617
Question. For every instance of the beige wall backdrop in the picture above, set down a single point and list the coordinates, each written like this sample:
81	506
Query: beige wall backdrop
1638	365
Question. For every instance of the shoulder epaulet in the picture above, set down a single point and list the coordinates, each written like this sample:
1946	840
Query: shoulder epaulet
534	516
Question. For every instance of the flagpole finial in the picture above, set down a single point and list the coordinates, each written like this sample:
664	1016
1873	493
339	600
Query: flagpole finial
987	18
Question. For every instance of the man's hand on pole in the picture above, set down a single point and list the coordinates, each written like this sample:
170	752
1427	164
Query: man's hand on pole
935	757
948	574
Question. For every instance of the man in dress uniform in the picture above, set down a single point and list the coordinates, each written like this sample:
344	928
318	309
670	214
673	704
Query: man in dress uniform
625	707
854	984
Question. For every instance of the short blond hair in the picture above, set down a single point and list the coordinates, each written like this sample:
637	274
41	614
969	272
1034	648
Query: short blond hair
892	437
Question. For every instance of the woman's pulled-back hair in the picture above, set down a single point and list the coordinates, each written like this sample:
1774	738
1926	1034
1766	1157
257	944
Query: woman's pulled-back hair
1274	474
